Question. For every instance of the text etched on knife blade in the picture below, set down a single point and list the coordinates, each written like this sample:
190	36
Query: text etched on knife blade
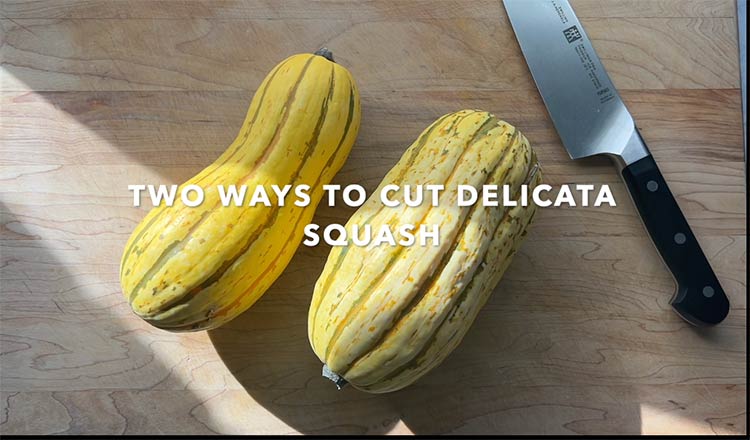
604	93
560	12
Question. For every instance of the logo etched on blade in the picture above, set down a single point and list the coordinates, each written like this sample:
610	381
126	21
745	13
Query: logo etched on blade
572	34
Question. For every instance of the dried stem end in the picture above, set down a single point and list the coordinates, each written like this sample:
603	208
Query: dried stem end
338	380
325	53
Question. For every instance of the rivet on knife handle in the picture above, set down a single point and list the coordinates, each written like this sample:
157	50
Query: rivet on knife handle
700	298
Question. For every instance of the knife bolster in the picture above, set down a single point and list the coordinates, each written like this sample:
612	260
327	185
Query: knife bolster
635	149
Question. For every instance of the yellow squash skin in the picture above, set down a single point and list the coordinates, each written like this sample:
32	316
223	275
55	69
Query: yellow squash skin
381	317
193	268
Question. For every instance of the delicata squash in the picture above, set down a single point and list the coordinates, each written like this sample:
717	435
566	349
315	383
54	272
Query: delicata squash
193	268
383	316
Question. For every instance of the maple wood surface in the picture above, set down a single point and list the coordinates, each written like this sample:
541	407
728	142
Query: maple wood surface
578	337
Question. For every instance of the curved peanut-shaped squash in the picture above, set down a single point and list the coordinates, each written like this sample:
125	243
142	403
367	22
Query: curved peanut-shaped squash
193	268
383	316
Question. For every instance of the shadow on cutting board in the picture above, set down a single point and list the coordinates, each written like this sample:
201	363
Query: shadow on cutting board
72	358
497	381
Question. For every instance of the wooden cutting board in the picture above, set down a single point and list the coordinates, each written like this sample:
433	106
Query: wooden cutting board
577	338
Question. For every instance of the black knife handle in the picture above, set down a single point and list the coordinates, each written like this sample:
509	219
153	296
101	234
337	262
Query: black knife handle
699	299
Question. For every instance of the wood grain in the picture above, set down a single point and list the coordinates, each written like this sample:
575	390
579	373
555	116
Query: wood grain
578	337
402	52
361	10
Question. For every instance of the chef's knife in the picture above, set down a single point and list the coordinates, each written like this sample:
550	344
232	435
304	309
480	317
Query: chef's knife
591	119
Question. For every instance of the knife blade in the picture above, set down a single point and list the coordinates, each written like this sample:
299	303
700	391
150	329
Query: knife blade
591	119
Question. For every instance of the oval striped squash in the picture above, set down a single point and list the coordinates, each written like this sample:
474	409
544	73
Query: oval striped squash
383	316
193	268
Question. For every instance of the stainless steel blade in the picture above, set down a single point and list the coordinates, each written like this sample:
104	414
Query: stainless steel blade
584	105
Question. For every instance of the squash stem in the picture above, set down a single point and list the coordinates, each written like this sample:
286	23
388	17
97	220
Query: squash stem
338	380
325	53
